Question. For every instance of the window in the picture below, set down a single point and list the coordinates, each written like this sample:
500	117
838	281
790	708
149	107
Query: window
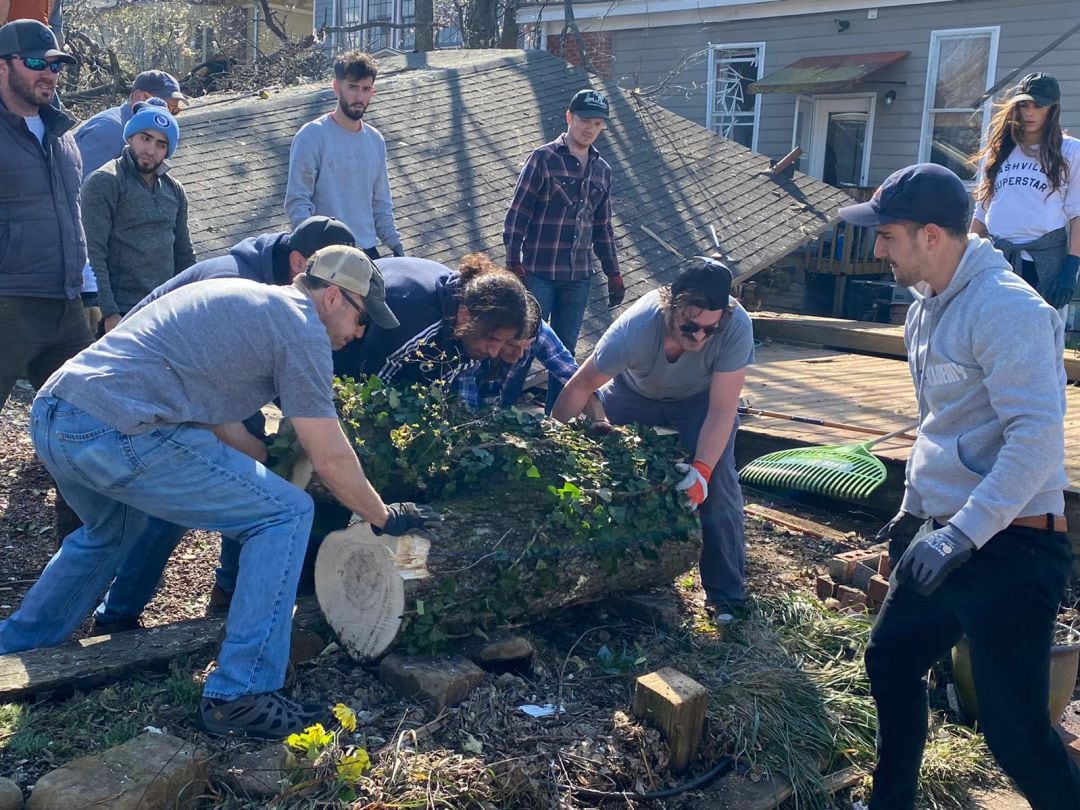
379	37
352	13
407	36
732	111
961	68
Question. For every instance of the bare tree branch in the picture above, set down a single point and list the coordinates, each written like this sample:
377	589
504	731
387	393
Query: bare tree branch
271	21
570	24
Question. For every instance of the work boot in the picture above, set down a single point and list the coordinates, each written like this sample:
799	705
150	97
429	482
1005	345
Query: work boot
121	625
220	599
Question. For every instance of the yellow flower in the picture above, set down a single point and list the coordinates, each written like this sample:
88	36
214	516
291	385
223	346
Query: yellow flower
311	741
345	716
353	764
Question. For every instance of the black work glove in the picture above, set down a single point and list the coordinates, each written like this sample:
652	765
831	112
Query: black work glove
616	291
1059	292
931	558
407	517
898	532
398	249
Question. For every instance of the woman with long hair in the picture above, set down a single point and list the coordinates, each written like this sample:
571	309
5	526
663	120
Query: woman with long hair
1028	197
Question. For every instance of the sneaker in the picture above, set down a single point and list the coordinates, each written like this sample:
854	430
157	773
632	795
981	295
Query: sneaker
220	599
266	716
121	625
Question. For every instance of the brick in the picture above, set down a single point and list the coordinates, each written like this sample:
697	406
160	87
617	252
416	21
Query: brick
847	595
878	590
842	566
825	588
883	566
862	576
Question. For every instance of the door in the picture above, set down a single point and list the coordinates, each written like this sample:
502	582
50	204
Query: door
841	133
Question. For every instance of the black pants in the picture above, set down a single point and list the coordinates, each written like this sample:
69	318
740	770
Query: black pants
372	252
38	335
1005	600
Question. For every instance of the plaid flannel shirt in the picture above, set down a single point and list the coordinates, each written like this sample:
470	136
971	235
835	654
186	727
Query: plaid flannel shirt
478	387
561	214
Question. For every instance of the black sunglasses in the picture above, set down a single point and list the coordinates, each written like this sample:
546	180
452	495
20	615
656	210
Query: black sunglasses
33	63
365	319
691	328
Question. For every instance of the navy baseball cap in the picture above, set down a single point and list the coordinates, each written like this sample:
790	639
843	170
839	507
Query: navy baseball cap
924	193
589	104
160	84
31	39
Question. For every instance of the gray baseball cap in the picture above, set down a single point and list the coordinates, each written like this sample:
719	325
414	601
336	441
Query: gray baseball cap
352	270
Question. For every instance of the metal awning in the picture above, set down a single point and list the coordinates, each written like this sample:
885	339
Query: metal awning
827	74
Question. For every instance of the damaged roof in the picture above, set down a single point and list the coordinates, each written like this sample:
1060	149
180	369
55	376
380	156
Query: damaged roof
458	126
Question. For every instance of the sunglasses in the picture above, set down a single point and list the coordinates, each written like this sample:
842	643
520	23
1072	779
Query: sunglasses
365	319
33	63
692	328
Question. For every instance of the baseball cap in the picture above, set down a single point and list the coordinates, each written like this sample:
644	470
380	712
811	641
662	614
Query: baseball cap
1042	88
351	269
161	84
31	39
707	277
924	193
589	104
158	119
317	232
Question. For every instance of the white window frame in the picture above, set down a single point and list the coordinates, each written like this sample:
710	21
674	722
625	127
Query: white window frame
710	102
936	37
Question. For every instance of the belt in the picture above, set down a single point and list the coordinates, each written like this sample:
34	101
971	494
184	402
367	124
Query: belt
1041	522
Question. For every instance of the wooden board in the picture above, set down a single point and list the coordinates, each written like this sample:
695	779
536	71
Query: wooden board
93	661
856	336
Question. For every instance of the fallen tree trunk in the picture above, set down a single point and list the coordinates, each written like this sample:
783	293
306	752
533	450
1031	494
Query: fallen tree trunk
536	517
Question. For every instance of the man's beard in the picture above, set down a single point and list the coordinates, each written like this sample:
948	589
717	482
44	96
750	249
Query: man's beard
350	113
147	166
25	90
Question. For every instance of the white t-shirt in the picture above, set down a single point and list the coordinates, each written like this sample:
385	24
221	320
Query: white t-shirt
1023	207
37	126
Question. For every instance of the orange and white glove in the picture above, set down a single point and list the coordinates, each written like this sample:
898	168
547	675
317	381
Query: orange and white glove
696	482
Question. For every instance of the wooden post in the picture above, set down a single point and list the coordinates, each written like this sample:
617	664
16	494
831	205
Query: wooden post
674	703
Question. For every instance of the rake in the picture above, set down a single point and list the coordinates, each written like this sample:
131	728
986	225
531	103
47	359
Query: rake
838	471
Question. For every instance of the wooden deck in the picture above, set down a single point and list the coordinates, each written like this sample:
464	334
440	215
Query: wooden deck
858	336
853	389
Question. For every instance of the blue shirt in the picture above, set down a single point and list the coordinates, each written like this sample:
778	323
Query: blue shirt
477	386
101	138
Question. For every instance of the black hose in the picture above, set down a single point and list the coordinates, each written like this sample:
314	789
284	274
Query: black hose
719	769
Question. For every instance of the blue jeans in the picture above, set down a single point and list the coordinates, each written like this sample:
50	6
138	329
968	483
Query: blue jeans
723	534
117	484
562	304
1005	600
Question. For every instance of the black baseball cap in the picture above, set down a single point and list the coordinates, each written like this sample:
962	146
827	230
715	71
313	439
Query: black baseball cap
707	277
159	84
1042	88
924	193
31	39
317	232
589	104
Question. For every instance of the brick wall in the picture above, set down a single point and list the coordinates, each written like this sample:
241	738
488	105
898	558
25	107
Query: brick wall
597	45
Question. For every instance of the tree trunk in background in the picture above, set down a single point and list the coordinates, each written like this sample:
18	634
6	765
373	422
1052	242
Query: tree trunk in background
481	24
510	26
425	31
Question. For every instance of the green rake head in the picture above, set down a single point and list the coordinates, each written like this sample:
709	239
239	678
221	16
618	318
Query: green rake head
839	471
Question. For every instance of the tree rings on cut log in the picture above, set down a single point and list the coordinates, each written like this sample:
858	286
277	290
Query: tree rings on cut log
360	585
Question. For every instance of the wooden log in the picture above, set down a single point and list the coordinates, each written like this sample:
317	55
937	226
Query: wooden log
93	661
675	703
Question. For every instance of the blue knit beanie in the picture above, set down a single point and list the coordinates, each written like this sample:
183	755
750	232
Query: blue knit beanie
159	119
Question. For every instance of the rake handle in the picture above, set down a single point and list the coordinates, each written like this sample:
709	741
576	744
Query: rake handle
808	420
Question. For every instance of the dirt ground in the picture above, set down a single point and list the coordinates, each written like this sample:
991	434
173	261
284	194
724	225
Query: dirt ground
780	561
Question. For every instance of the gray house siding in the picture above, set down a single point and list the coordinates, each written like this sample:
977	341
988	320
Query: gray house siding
645	59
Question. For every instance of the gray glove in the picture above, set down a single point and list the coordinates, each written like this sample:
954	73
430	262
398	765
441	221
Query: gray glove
931	558
407	517
398	249
899	532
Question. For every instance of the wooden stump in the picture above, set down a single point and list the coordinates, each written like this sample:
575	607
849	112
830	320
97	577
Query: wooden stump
675	703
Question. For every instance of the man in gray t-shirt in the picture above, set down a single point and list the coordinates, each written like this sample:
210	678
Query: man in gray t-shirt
678	358
145	426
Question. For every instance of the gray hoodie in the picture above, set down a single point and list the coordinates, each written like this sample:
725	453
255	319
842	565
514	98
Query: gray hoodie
986	359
